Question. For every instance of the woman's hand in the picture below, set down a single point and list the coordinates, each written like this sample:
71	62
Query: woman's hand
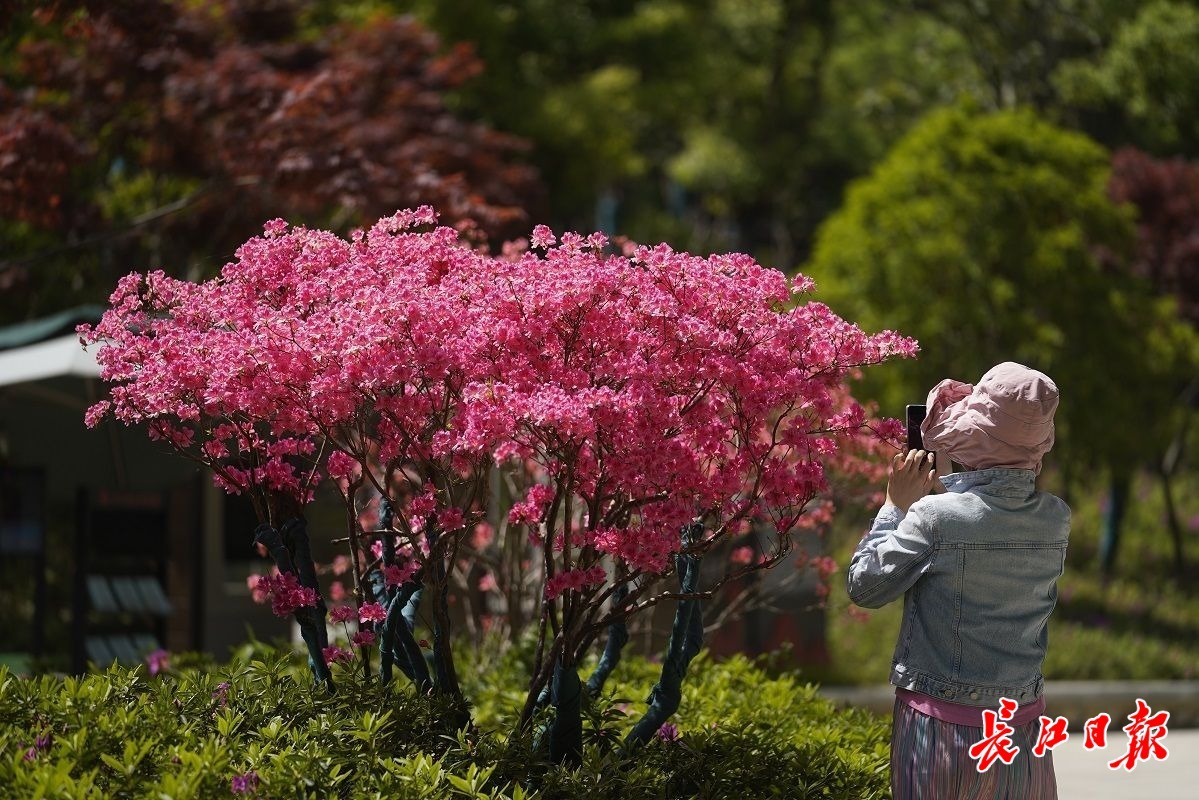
912	476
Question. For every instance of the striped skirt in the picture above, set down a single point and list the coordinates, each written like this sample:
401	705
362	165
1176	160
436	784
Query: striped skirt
930	761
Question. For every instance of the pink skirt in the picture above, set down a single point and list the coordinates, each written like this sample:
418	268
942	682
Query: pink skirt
930	760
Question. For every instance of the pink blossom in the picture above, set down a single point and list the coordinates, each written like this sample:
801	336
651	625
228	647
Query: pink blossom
342	466
398	574
423	504
260	593
648	386
363	638
824	566
158	661
334	654
742	555
530	510
275	228
96	413
543	237
285	593
487	583
482	536
574	580
341	613
371	612
450	519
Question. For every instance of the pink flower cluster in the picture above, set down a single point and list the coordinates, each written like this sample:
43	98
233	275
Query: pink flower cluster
334	654
530	510
742	556
574	580
158	661
371	612
648	385
284	591
825	566
397	574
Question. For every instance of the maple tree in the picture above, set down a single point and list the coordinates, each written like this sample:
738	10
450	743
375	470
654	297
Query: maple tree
150	131
1165	193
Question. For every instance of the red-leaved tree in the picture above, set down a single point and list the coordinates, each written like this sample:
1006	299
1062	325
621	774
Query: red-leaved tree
1165	194
149	128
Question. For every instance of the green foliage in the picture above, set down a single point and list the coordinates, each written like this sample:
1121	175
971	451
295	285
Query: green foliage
691	118
990	237
1145	86
885	71
1016	45
186	735
736	123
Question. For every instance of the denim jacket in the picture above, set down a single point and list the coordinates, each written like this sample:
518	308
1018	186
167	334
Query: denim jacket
977	567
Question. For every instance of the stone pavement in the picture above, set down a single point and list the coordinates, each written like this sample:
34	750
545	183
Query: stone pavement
1084	775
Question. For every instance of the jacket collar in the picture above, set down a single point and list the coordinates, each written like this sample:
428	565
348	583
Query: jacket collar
1005	481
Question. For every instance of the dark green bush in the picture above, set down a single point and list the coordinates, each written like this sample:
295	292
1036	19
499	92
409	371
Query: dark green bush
187	734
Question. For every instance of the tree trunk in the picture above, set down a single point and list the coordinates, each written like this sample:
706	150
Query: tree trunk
618	637
686	638
270	538
1172	522
1113	522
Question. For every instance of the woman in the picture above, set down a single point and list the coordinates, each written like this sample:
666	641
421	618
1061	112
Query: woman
977	565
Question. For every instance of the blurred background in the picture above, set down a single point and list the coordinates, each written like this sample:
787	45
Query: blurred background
1002	179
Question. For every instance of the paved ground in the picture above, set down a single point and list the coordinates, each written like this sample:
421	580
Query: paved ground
1084	775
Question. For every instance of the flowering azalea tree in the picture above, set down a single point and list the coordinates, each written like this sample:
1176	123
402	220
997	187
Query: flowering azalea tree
661	402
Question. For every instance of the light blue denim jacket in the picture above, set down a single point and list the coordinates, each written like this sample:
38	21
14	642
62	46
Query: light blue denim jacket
977	567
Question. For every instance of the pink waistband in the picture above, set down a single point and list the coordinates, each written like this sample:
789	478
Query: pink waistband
959	714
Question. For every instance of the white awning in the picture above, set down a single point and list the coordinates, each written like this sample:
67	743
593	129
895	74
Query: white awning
52	358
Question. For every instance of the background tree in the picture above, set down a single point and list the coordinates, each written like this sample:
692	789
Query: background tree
1016	46
991	236
1144	88
150	131
1165	194
719	124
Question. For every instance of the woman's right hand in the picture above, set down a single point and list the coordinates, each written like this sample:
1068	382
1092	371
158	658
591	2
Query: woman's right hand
911	477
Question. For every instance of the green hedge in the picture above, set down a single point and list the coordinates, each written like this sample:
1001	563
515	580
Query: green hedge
183	735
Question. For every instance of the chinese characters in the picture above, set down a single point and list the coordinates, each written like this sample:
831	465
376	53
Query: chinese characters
1145	732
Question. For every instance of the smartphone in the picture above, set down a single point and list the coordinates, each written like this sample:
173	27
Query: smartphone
916	415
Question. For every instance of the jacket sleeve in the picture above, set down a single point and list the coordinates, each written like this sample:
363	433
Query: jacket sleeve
891	557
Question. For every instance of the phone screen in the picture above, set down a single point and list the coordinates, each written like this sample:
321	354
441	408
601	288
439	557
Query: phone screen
916	414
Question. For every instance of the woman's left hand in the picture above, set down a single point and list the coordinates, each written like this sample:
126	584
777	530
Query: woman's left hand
912	476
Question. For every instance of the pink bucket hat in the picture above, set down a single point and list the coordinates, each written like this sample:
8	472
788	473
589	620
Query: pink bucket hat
1006	420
